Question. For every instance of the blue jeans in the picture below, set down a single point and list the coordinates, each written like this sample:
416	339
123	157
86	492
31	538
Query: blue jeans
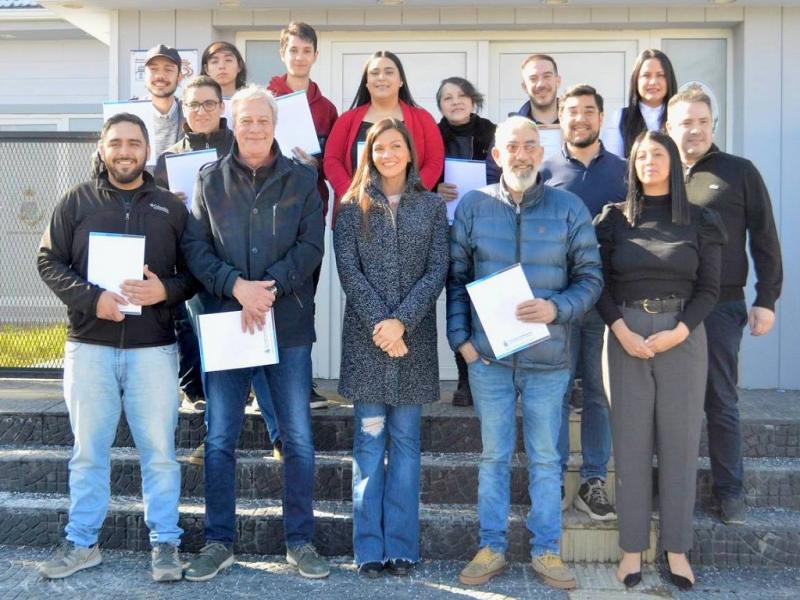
264	399
724	332
226	395
586	347
99	381
494	389
386	500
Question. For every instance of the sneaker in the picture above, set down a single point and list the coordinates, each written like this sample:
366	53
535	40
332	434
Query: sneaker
68	559
308	561
371	570
564	501
463	395
576	398
198	455
486	564
399	567
731	511
553	571
212	559
593	500
316	399
165	563
277	450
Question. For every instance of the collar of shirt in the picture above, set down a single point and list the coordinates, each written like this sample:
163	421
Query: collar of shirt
651	116
173	111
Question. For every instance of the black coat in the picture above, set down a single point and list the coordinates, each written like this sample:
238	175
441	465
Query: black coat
397	271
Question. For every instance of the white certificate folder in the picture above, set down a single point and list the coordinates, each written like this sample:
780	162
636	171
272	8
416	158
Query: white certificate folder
224	346
468	175
495	298
182	170
113	258
295	126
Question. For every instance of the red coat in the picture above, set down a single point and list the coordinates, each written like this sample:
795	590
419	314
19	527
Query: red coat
424	133
324	114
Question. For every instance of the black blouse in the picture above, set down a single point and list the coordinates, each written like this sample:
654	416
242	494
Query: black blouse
659	259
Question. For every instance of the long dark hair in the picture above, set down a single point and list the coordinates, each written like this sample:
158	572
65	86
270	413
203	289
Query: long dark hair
362	94
367	172
632	123
213	48
677	190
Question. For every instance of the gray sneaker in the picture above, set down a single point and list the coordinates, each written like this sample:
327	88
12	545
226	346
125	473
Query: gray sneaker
165	563
212	559
68	559
308	561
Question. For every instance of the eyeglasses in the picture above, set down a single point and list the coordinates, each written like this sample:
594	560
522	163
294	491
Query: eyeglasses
207	106
528	147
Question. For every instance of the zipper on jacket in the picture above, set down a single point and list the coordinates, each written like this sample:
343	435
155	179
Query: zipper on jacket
274	218
128	207
519	232
296	297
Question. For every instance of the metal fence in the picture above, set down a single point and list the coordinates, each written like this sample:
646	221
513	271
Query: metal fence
36	168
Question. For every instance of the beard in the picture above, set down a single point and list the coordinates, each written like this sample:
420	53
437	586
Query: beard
125	177
585	143
549	103
519	180
162	93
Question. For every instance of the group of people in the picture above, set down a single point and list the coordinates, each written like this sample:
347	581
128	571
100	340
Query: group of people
653	248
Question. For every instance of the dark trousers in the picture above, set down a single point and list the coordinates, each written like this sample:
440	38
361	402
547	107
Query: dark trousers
724	331
189	369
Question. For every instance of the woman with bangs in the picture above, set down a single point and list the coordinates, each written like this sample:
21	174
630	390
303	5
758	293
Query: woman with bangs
391	243
661	265
383	93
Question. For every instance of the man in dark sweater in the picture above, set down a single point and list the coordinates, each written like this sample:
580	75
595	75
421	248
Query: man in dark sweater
733	187
597	177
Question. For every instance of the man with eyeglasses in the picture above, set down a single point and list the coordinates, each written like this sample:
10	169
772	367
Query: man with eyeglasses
549	232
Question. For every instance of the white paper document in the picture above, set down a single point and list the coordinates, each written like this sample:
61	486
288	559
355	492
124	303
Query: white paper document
113	258
227	113
359	152
550	139
495	298
467	175
142	109
182	170
295	126
224	346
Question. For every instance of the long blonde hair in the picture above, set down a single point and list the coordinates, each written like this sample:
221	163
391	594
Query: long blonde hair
367	172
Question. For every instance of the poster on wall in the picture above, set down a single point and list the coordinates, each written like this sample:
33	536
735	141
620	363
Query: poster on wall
191	67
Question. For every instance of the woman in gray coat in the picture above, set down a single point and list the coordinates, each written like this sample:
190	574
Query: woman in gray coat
391	242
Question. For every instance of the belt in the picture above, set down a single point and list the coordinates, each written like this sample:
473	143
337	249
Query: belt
655	306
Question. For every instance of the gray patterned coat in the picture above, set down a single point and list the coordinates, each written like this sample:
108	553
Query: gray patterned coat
391	270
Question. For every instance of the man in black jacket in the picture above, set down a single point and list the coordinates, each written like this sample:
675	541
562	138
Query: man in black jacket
112	360
254	239
733	187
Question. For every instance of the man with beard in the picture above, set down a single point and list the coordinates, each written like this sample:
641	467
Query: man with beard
162	74
549	232
597	177
733	187
114	361
540	80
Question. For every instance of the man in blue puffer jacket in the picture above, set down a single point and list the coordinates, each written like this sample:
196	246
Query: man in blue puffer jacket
549	232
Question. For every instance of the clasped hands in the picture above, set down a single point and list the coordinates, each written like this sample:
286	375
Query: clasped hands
144	292
388	336
256	298
640	347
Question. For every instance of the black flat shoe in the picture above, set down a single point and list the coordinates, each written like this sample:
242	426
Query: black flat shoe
371	570
632	579
682	583
399	567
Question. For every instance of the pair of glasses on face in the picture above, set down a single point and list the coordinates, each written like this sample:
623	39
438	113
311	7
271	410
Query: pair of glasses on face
527	147
207	106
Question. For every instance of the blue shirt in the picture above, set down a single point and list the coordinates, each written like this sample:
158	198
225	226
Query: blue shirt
602	182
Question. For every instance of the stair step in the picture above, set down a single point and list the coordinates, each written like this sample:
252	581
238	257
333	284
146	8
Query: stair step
445	478
771	537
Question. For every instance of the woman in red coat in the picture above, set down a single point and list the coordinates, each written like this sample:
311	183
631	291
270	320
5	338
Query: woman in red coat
382	93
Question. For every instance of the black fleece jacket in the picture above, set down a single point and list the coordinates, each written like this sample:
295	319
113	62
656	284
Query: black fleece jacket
733	187
62	259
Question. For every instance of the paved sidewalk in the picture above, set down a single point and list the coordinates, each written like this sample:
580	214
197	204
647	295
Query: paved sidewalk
125	576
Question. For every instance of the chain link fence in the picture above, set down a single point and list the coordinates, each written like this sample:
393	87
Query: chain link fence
37	168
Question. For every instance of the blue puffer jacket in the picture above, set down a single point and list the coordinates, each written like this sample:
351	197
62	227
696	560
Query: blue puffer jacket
550	233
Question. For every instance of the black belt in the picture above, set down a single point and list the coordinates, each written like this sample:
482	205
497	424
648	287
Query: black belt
655	306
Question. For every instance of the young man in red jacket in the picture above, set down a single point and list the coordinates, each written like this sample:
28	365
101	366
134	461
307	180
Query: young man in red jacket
299	53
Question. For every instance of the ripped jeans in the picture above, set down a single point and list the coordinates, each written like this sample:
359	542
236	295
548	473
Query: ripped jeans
386	497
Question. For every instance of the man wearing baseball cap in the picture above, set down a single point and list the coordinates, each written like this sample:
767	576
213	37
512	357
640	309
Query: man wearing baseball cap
162	74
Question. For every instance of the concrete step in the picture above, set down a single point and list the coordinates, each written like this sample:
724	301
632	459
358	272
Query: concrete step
771	537
445	478
445	428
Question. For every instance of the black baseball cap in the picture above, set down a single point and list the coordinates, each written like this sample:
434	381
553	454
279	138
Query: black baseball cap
166	52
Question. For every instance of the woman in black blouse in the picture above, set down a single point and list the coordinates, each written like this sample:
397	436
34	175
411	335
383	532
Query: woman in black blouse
661	264
469	137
